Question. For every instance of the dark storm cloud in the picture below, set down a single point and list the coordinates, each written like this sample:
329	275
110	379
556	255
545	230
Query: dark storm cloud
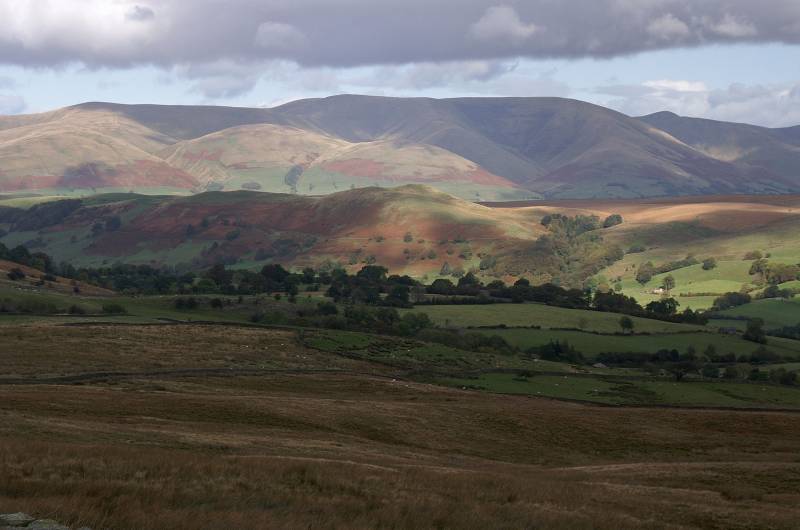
341	33
140	13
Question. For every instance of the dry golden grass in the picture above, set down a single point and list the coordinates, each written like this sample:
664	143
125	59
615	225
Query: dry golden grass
46	350
350	450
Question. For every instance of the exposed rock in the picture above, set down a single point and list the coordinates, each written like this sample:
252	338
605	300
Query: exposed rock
18	519
46	524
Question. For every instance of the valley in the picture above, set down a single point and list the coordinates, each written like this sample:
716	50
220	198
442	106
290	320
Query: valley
381	264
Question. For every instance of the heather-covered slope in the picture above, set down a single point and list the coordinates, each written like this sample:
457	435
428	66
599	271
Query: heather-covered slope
415	229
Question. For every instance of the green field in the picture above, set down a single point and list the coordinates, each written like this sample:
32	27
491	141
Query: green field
775	313
635	392
525	315
590	344
728	276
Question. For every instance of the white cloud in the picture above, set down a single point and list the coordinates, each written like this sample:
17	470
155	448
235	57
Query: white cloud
668	27
503	23
46	30
768	105
676	85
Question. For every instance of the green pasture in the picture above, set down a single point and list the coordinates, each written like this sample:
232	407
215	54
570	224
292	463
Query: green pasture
524	315
590	344
775	312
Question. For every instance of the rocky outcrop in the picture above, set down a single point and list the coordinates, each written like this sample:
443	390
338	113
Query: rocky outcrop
13	521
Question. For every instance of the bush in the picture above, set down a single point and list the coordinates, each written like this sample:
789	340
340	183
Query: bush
731	372
762	356
558	351
753	255
755	331
186	303
15	274
709	264
636	249
114	309
327	308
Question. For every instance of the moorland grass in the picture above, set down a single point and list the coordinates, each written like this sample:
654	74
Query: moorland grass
613	391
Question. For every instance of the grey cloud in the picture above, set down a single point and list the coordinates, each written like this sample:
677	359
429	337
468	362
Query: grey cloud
431	75
279	36
221	79
346	33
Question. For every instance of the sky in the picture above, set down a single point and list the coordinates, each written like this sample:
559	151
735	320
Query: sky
733	60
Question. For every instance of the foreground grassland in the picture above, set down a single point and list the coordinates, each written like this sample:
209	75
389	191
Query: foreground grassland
208	427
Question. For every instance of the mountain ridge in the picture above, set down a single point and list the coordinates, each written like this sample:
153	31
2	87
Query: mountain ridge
482	149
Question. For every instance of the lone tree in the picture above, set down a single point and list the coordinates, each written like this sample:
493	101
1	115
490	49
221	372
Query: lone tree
669	283
755	331
626	323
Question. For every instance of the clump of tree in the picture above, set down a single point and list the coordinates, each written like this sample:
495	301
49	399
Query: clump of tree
730	300
572	226
557	351
773	291
36	260
709	264
612	220
372	285
774	273
647	270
